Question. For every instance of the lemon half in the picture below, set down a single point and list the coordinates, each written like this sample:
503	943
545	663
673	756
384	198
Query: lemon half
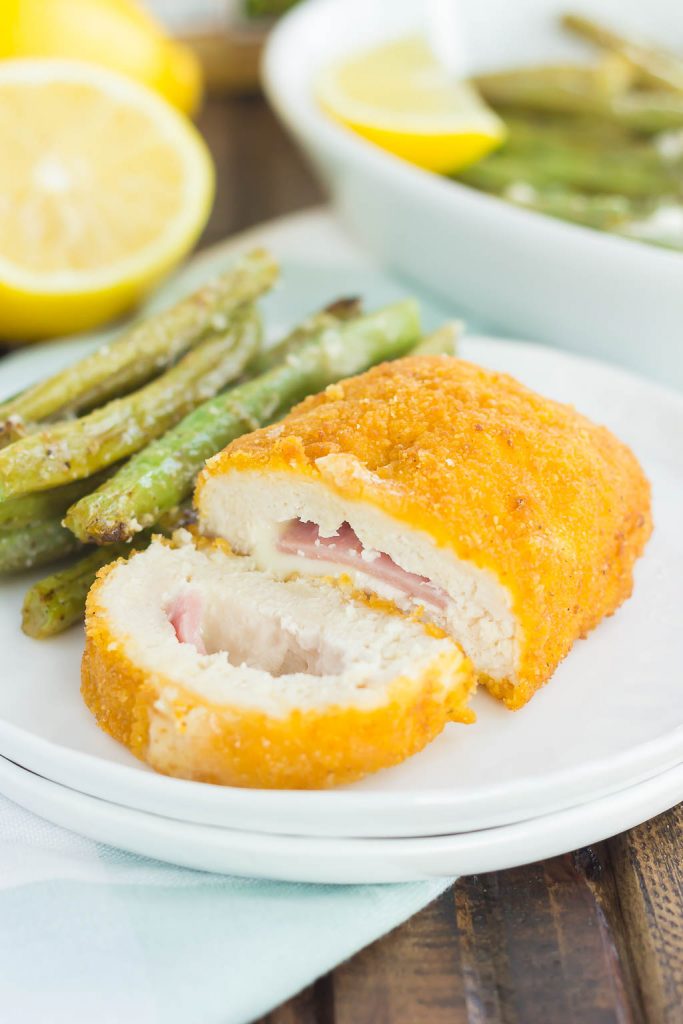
103	188
399	97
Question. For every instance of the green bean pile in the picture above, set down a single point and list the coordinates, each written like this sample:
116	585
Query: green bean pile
599	145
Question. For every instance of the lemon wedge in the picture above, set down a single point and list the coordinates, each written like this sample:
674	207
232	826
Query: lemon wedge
399	97
117	34
104	187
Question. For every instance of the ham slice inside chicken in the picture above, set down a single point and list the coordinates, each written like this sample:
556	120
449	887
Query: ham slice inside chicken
303	540
185	615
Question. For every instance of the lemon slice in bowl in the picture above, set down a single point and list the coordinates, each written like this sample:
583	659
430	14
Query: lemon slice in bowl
399	97
104	187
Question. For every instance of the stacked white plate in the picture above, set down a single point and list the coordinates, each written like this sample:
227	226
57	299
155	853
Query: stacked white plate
598	750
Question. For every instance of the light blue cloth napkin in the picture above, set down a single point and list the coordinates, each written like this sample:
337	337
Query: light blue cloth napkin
92	934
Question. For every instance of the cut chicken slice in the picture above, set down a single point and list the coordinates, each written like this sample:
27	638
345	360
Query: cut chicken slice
209	669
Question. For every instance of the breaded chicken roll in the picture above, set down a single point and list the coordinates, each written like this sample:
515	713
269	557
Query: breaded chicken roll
512	521
208	669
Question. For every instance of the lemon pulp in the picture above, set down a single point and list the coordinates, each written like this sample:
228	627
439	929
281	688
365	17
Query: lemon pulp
103	187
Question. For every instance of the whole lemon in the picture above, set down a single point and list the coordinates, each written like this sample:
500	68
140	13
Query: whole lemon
117	34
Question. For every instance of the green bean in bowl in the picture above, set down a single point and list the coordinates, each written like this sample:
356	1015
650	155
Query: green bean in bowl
598	144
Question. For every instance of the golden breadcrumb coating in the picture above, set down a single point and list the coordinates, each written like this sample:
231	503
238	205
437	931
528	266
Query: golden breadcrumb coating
556	507
181	734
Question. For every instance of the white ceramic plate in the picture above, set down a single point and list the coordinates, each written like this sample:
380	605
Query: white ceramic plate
339	861
611	717
540	277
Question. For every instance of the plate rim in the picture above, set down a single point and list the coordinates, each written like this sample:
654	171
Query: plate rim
359	860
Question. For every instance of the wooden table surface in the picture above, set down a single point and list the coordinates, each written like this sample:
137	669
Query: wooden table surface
593	937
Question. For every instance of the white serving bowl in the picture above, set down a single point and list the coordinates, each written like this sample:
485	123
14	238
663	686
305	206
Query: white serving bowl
514	270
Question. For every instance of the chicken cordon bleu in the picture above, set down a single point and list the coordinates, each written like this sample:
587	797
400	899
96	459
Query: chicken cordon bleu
508	520
358	568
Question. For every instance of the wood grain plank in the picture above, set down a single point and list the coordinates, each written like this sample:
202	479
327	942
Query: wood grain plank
411	976
312	1006
648	870
598	868
536	948
260	173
